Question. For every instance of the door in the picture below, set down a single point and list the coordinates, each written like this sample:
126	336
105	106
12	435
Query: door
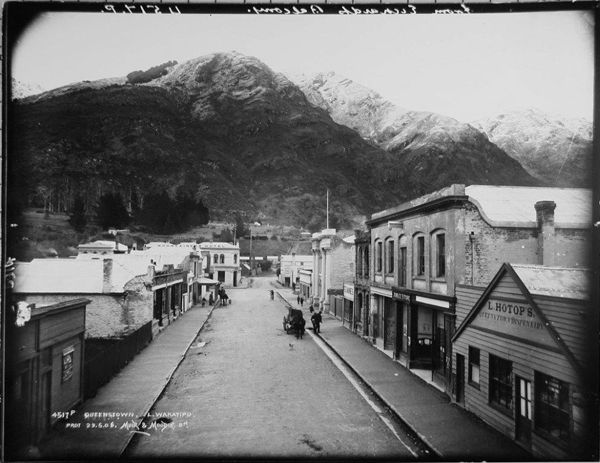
524	405
460	378
45	403
399	331
389	336
234	278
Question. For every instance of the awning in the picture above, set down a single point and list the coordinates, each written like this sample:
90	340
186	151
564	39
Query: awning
207	281
246	266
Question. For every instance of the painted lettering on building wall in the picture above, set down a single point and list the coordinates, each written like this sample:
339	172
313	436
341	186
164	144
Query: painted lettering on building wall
512	318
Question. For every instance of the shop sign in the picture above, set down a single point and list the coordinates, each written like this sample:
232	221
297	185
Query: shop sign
512	318
349	292
67	363
401	296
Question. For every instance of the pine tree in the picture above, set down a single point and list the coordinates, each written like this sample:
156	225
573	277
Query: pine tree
111	211
78	219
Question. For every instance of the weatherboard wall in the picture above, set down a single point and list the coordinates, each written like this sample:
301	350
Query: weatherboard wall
527	357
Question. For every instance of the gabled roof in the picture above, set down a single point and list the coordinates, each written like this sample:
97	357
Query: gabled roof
507	269
573	283
515	205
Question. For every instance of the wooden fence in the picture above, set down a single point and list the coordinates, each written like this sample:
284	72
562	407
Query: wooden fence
104	358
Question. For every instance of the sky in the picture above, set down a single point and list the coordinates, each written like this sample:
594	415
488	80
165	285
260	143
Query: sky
463	66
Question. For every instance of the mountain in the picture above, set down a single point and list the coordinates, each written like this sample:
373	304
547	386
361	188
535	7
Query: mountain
432	150
558	151
223	127
21	89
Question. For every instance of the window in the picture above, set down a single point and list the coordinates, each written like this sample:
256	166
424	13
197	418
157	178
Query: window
440	254
474	366
420	256
366	264
403	266
500	382
235	258
552	406
359	262
389	256
378	256
216	259
222	258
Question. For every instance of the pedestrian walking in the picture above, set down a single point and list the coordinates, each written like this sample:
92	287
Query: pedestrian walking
301	301
272	294
316	322
298	299
300	328
211	299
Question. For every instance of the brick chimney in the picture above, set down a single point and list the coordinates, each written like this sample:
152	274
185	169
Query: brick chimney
546	236
107	276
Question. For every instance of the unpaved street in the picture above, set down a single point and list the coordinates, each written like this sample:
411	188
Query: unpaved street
253	391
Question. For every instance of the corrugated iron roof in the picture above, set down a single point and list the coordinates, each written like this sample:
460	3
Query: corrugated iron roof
515	206
572	283
59	276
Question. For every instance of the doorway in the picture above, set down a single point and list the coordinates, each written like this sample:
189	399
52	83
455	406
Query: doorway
524	405
460	378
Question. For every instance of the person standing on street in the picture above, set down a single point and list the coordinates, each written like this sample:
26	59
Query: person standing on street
316	322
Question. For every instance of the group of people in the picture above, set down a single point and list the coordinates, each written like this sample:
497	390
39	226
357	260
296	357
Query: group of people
221	295
300	300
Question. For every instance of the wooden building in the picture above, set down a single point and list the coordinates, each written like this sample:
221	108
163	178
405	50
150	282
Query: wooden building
44	370
522	358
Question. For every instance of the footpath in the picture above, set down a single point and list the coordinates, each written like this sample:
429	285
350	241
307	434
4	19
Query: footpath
103	426
450	431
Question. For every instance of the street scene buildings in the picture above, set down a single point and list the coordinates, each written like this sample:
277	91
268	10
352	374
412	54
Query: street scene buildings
218	248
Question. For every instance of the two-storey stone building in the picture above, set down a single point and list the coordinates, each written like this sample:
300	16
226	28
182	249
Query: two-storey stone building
422	249
223	262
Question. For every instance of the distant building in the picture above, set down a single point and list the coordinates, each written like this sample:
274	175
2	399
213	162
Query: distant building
362	283
290	267
523	362
304	283
102	248
223	262
333	266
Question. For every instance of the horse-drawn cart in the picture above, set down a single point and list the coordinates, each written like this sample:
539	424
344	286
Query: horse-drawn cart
294	322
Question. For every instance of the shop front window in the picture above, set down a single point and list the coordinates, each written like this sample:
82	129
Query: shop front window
501	383
552	406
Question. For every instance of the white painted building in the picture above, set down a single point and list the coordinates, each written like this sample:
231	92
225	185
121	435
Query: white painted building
290	266
223	262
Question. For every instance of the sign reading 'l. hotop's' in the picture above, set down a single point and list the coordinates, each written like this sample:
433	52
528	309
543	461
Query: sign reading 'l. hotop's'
513	319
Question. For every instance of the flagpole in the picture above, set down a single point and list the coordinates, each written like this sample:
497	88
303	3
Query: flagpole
327	208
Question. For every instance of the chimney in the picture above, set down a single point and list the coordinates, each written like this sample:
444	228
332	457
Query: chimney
106	280
151	272
545	223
